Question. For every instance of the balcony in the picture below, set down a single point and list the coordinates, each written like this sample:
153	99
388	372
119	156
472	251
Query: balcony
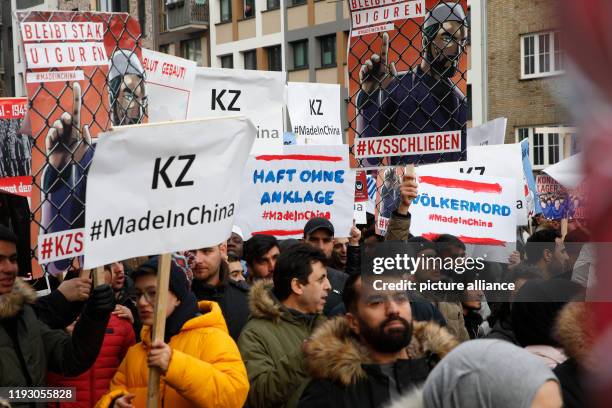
187	16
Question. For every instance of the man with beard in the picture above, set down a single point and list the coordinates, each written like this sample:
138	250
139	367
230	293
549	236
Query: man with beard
70	147
421	101
373	354
545	250
211	282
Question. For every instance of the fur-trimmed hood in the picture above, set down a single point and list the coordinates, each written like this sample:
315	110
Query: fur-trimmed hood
12	302
413	399
574	331
334	353
262	303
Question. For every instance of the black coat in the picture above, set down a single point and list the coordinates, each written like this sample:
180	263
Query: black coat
56	311
337	279
371	392
231	296
569	377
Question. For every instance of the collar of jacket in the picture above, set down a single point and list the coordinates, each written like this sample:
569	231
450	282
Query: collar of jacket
264	305
203	290
334	353
11	303
575	330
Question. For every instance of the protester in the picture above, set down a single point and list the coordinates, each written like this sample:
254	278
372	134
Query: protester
283	315
575	330
124	287
319	233
28	346
260	254
500	319
545	250
373	354
211	282
534	312
235	269
487	374
61	307
235	243
93	384
573	242
338	256
199	361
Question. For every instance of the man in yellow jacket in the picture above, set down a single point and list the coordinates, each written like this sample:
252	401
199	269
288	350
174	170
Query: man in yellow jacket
200	363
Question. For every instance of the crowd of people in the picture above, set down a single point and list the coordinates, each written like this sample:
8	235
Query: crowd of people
294	323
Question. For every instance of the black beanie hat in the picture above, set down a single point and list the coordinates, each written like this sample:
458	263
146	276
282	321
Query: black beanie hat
179	284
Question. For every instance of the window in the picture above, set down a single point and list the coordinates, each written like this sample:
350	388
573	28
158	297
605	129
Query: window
297	2
541	55
163	17
226	10
328	50
249	8
165	48
227	61
546	144
275	62
300	54
192	49
120	6
273	4
250	59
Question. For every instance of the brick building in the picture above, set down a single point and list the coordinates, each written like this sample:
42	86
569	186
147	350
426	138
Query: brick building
524	66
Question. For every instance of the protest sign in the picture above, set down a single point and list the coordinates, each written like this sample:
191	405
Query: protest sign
169	84
533	204
161	187
361	186
387	196
314	110
83	73
558	202
408	103
257	94
490	133
503	160
568	172
476	209
15	148
282	192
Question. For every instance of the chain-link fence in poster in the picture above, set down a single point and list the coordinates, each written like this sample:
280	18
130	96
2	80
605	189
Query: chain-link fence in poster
83	74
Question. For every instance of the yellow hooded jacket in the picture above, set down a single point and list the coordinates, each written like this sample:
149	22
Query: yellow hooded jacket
205	369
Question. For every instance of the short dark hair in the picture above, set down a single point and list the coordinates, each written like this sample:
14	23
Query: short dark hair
540	241
232	257
295	262
349	293
7	235
445	241
257	246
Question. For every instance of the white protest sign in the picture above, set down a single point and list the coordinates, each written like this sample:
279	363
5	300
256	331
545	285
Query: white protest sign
360	213
567	172
282	192
169	85
490	133
478	210
314	110
503	160
259	95
148	193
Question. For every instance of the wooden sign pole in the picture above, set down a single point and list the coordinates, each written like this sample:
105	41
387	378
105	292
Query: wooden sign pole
159	324
98	275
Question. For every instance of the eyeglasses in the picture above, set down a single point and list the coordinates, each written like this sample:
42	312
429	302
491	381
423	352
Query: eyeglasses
149	295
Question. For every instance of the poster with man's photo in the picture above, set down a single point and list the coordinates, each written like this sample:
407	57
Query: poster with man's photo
407	81
558	202
83	74
387	196
15	148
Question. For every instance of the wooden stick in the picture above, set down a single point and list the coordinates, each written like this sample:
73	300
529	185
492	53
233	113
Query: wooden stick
564	224
159	324
85	273
409	170
98	276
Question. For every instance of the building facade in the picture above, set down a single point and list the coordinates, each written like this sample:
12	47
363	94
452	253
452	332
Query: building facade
183	29
525	64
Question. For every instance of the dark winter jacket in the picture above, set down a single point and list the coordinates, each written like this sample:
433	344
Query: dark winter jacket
345	376
28	348
337	279
575	333
56	311
93	384
231	296
271	347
